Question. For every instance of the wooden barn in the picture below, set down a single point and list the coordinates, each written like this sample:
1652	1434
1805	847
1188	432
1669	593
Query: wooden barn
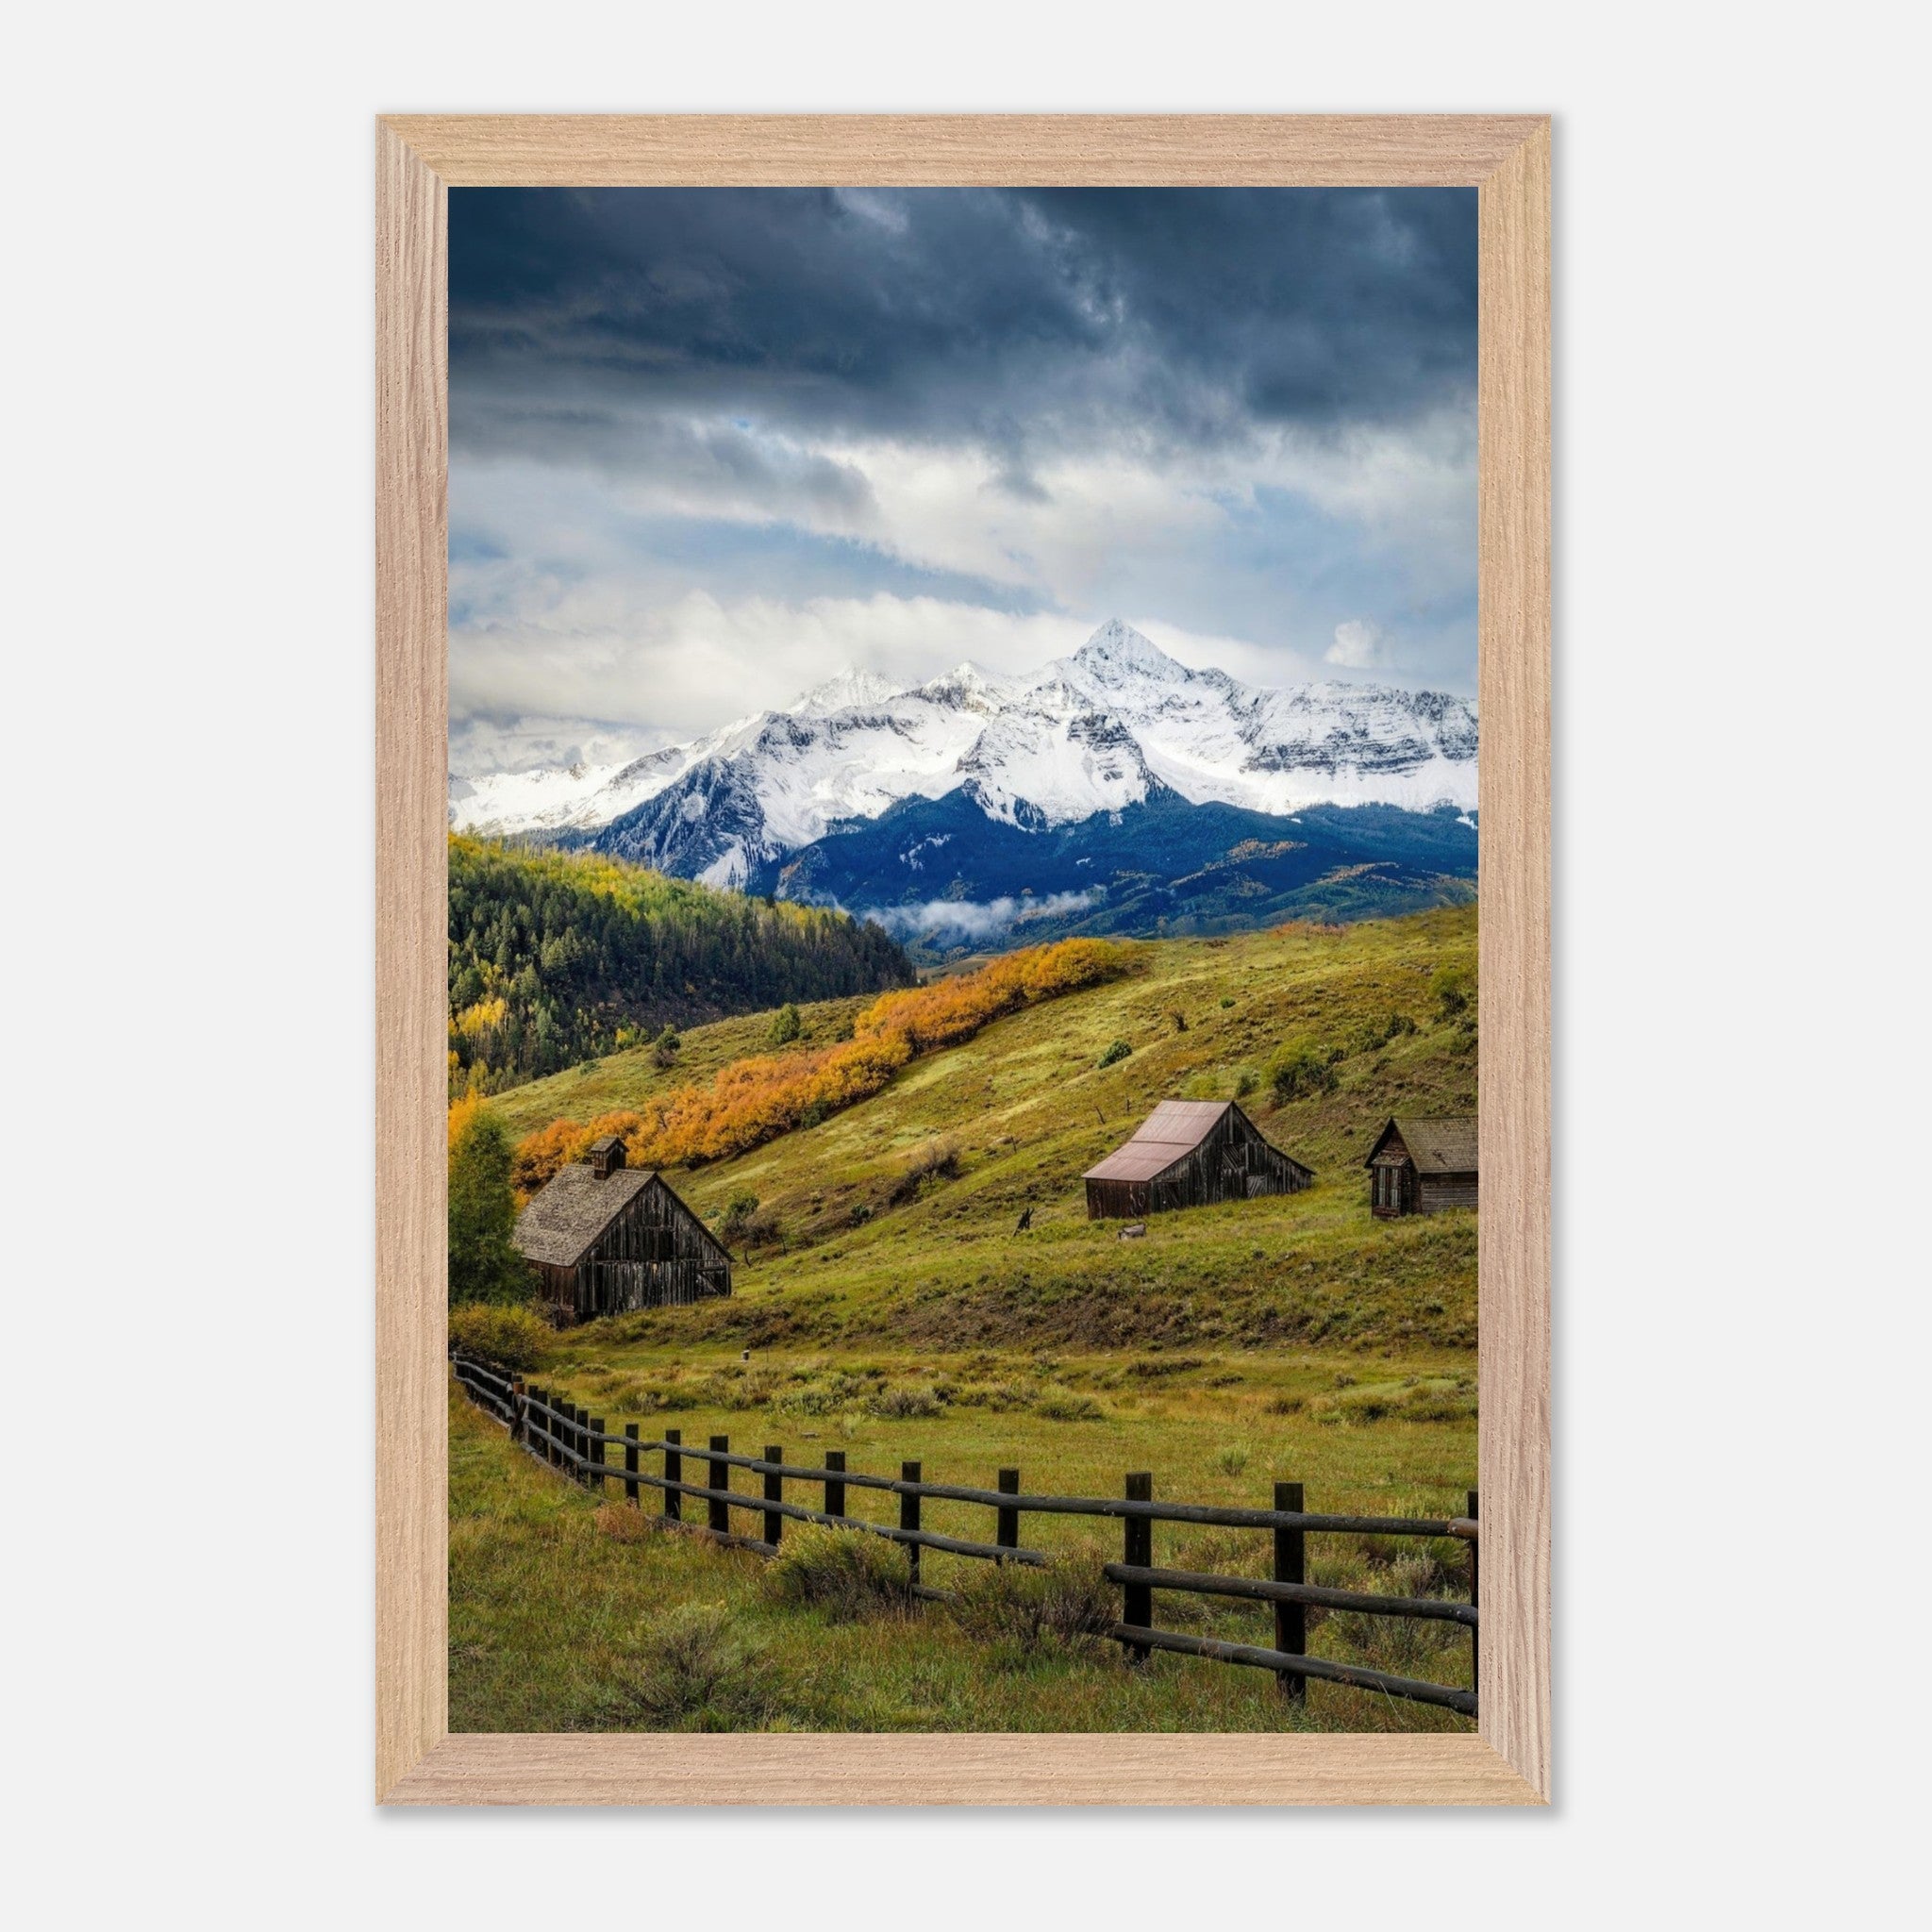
1190	1153
604	1238
1422	1163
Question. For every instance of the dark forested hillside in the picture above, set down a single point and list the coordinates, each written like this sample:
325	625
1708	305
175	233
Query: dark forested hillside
1163	866
557	957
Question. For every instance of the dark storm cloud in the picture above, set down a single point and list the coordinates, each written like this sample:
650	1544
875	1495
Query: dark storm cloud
1022	321
711	446
616	437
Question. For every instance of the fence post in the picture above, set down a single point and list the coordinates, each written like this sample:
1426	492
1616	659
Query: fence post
908	1516
1137	1548
1475	1642
630	1463
1291	1620
580	1448
543	1449
835	1491
600	1458
518	1413
673	1473
720	1479
775	1492
1008	1534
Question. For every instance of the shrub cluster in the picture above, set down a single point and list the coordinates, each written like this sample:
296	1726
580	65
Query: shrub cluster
744	1224
1453	989
847	1574
935	1160
1300	1068
692	1673
511	1338
1371	1036
1066	1604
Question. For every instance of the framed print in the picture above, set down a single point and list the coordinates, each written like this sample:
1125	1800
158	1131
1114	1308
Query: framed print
964	960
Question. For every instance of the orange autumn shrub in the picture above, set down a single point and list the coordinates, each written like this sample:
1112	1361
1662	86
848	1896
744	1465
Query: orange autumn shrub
950	1010
540	1154
752	1101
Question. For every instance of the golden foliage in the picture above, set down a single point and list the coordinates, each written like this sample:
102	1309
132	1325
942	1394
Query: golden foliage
462	1113
475	1022
754	1100
953	1010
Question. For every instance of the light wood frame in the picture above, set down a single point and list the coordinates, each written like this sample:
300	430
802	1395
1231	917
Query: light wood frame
417	158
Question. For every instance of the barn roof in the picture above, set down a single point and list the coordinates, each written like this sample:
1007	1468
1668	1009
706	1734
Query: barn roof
1437	1143
1169	1134
572	1208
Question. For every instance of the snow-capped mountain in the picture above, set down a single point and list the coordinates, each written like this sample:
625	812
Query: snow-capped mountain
1117	724
849	688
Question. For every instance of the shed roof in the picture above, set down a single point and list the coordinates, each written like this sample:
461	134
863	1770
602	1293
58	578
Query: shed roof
1169	1134
1437	1144
572	1208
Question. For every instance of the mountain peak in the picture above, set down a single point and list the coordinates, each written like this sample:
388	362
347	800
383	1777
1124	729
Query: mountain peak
849	687
1086	733
1118	647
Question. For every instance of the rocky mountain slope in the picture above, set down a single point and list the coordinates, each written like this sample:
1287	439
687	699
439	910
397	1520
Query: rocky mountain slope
1119	725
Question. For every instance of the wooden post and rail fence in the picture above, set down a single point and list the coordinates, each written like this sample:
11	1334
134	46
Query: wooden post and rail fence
570	1439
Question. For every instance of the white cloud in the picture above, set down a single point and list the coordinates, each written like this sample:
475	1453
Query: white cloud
482	744
682	668
555	655
587	625
1358	645
974	919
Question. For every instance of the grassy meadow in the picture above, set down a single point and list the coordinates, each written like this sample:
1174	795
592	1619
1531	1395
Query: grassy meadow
885	1302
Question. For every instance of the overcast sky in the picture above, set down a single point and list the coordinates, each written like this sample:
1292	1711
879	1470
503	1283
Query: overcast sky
710	446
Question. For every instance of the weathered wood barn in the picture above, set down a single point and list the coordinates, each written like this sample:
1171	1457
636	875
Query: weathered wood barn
1190	1153
602	1237
1421	1163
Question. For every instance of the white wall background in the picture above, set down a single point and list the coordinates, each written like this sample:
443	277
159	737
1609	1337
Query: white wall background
1742	638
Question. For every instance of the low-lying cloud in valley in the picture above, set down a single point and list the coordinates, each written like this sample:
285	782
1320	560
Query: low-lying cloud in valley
970	919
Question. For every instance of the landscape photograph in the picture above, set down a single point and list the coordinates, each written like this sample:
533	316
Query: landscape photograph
962	1035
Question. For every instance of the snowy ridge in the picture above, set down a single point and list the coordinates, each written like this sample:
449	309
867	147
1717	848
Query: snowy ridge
1103	729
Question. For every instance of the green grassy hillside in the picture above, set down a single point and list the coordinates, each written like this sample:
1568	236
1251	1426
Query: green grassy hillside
891	1308
849	1244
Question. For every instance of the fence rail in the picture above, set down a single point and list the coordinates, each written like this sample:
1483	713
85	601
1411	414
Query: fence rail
572	1440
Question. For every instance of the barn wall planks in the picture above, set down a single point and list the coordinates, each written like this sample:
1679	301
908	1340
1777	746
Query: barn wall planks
656	1254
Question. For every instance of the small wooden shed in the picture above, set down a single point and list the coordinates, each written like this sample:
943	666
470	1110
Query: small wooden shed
604	1238
1421	1163
1190	1153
